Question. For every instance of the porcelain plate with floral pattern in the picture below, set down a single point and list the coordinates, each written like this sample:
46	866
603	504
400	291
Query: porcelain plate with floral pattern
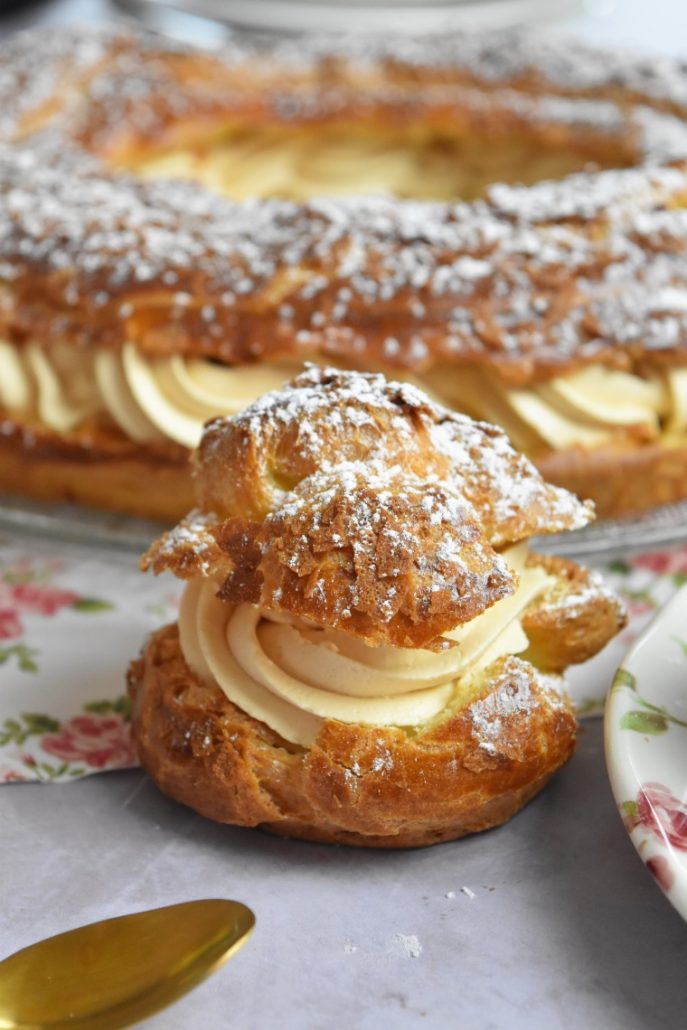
646	747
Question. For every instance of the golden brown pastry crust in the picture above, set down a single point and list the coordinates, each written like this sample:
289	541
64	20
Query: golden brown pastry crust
101	469
622	480
331	418
572	621
356	785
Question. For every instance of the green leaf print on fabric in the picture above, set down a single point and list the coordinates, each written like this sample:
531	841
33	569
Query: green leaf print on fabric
621	568
46	773
643	598
24	655
122	706
91	604
16	731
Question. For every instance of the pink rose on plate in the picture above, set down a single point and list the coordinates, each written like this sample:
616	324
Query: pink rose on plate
662	870
659	811
40	599
101	741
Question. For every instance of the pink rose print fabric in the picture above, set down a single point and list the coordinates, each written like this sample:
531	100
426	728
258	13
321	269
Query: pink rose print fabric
71	619
10	623
99	741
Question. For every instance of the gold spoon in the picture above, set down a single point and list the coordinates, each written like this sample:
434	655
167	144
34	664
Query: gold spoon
116	972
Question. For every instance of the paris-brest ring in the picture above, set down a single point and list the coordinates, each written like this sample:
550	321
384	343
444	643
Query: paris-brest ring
354	204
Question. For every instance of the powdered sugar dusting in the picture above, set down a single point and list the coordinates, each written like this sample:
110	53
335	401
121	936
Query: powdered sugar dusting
408	945
488	715
492	717
579	595
330	416
190	545
380	513
492	280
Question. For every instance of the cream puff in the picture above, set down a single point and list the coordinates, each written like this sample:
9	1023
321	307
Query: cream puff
366	650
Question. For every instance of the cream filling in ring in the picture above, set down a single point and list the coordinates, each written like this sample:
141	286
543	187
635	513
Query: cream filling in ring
293	675
170	398
149	399
274	164
582	409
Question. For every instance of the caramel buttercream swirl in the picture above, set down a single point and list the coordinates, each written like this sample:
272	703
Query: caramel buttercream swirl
149	399
299	166
170	398
15	384
583	409
293	675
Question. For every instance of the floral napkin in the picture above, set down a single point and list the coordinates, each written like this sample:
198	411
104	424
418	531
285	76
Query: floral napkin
71	619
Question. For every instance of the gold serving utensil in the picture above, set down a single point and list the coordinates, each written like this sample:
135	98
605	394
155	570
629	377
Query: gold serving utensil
116	972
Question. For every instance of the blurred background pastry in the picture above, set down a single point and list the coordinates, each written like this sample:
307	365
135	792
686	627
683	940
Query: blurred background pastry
342	211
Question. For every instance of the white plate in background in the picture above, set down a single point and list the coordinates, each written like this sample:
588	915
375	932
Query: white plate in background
393	16
646	747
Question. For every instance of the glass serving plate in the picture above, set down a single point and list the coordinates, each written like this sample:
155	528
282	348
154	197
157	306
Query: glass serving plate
607	539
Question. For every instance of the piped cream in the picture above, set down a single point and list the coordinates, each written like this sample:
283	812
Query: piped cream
292	675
